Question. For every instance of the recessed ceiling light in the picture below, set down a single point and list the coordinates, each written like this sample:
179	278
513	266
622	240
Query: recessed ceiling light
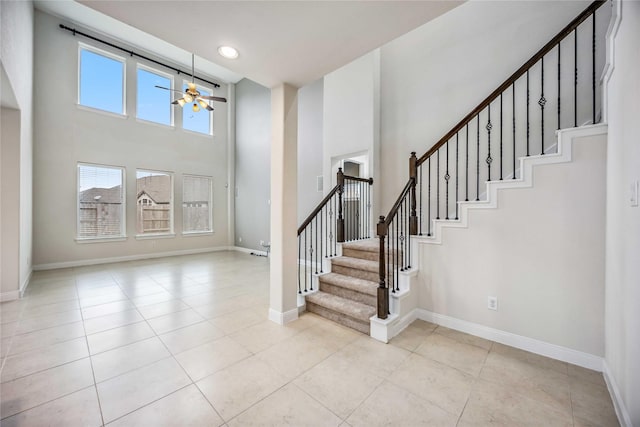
228	52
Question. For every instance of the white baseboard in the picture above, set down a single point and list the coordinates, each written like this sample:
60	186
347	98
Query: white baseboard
532	345
9	296
23	286
621	410
95	261
283	318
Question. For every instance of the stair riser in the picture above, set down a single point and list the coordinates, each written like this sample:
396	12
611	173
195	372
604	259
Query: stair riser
340	318
353	272
354	253
348	293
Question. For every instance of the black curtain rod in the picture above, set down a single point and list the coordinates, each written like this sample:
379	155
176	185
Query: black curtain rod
132	53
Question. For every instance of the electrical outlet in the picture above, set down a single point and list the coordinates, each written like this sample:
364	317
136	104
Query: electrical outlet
261	242
240	239
492	303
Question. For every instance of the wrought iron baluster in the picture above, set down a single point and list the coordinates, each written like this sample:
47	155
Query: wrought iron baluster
559	87
489	127
528	96
457	171
305	259
500	137
408	234
541	102
446	179
438	184
513	109
429	198
299	260
478	157
593	68
466	167
321	241
575	78
400	235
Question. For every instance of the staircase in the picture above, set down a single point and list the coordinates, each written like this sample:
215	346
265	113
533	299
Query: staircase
348	295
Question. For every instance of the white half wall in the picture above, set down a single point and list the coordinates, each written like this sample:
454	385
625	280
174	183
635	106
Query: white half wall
66	134
622	312
540	252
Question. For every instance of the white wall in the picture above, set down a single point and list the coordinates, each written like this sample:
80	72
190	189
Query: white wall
433	76
16	53
622	314
253	167
351	118
310	101
66	134
541	253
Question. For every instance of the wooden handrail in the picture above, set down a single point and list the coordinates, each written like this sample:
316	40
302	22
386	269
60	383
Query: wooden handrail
515	76
317	209
355	178
398	203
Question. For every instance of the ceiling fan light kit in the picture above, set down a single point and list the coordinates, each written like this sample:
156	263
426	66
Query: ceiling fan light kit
191	94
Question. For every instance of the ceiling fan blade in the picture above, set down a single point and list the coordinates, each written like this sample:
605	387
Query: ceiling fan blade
214	98
166	88
209	107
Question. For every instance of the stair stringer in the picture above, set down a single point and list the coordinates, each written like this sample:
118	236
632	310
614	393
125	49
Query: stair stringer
565	139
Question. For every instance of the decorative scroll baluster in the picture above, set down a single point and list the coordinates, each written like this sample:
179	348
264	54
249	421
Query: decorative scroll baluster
446	179
541	102
489	159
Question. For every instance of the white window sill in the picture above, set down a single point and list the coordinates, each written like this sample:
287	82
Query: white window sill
195	132
155	236
198	233
100	239
104	112
158	124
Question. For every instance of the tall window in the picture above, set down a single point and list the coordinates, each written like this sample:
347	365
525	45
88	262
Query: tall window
154	202
101	81
199	121
100	202
196	204
154	104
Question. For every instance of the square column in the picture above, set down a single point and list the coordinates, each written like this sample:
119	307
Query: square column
283	305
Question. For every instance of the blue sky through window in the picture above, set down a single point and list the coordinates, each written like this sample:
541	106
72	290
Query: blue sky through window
154	104
101	82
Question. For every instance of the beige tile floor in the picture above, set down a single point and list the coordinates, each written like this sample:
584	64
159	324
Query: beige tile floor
184	341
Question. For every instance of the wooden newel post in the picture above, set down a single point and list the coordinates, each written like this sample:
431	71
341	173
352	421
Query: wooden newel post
383	291
340	219
413	175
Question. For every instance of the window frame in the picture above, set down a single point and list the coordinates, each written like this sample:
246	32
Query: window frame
211	229
83	46
199	88
123	215
168	234
144	67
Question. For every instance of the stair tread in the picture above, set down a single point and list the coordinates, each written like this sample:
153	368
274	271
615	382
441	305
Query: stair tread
369	245
357	263
353	283
341	305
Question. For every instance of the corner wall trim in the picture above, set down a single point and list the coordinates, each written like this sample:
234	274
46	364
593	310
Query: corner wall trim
621	410
532	345
95	261
23	286
283	318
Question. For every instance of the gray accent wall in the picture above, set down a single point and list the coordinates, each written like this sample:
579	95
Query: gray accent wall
252	164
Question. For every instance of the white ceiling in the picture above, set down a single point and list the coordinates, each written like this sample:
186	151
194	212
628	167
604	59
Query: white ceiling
294	42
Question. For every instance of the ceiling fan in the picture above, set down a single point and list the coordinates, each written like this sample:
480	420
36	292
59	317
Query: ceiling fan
191	94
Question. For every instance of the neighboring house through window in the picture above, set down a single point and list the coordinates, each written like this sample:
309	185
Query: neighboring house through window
100	202
154	205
